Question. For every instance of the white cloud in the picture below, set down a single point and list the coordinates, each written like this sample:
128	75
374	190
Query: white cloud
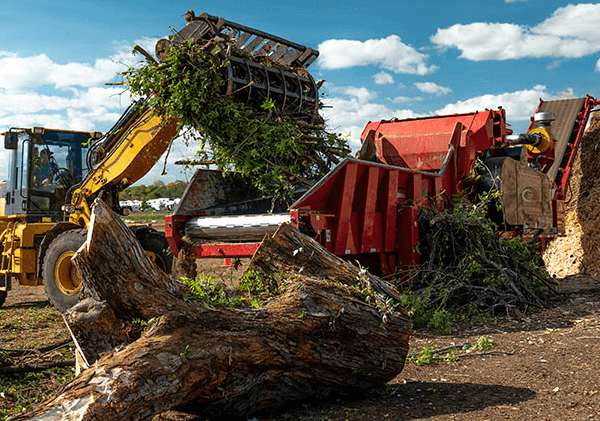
405	99
23	73
79	119
401	99
519	105
114	97
432	88
362	94
574	20
178	151
387	53
566	94
570	32
126	57
37	71
383	78
24	101
37	91
349	113
28	120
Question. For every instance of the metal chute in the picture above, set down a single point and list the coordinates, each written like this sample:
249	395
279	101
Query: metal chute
260	65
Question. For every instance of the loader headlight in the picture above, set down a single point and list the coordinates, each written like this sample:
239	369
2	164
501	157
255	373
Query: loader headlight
68	208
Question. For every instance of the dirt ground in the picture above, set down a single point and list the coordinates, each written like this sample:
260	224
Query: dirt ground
544	367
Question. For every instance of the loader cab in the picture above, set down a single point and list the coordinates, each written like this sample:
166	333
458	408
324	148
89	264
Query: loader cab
43	164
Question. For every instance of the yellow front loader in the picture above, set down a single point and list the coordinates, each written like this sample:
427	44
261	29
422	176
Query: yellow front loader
50	186
55	175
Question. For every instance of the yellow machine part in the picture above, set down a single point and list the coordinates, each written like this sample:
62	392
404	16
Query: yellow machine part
136	154
2	199
19	251
547	141
68	279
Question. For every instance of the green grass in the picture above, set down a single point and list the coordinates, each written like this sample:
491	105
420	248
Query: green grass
23	392
27	327
145	217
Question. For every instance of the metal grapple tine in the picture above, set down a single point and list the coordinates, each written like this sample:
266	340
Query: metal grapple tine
205	27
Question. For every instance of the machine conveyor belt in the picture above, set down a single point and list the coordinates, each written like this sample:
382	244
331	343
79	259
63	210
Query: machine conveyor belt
566	111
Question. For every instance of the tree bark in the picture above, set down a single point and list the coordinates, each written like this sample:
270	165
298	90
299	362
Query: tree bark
318	337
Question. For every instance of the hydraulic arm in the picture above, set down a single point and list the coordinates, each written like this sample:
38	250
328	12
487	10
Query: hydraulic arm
141	141
46	203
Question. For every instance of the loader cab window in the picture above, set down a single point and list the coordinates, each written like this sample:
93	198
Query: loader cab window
21	197
43	169
52	165
22	160
14	175
40	199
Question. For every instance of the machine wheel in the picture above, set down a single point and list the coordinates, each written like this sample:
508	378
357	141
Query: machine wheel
2	297
62	281
156	243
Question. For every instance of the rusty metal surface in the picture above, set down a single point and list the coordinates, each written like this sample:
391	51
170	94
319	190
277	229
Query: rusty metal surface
208	190
209	193
526	197
422	143
251	80
250	40
566	111
260	65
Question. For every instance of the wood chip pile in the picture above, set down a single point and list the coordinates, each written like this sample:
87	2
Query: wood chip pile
579	251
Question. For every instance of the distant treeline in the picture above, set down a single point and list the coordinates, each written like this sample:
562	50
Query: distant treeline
156	190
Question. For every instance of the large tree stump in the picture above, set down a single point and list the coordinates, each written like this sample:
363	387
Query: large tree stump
317	337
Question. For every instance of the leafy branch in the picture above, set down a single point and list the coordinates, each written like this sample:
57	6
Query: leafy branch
243	131
469	271
430	353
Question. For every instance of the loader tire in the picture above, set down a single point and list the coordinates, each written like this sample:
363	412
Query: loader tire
62	281
2	297
156	244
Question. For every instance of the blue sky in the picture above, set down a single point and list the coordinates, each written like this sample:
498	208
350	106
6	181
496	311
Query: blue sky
380	59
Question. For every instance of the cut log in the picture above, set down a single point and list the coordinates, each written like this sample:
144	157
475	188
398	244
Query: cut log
319	336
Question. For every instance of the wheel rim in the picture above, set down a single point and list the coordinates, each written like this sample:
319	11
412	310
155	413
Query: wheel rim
66	276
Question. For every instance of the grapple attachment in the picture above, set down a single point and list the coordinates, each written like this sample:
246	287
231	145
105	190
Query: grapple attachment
260	65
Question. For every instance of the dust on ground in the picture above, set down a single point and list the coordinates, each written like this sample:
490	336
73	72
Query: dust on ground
542	367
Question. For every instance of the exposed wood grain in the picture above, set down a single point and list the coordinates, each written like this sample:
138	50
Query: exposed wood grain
318	337
579	250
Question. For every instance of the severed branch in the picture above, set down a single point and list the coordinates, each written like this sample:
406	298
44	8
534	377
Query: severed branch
40	350
468	269
316	337
35	368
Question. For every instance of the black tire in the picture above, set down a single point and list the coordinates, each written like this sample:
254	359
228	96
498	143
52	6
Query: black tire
156	243
2	297
62	282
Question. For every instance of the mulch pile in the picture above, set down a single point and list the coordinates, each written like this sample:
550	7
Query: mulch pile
579	251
